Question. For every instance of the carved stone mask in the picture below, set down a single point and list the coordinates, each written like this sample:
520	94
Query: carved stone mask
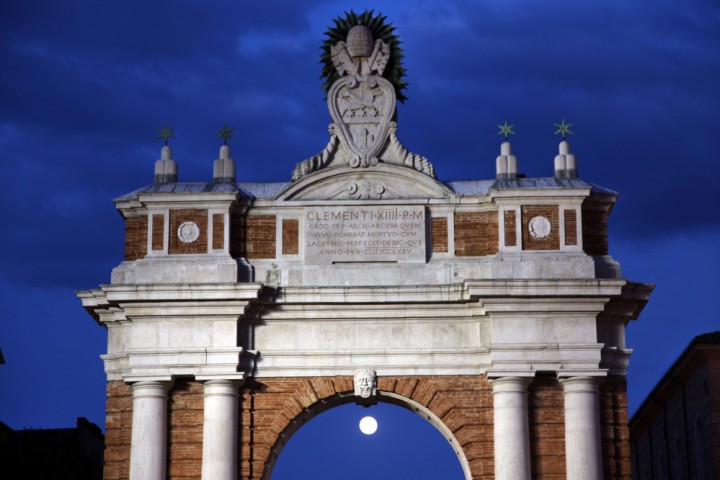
365	383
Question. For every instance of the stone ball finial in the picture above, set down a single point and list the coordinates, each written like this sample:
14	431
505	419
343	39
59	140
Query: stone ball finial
360	41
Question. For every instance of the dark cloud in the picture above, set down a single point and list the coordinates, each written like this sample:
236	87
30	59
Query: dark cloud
90	83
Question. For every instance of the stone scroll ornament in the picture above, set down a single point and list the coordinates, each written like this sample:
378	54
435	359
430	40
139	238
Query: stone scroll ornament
363	74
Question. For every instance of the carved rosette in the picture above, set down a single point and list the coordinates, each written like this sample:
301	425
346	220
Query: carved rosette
362	107
365	386
188	232
365	190
539	227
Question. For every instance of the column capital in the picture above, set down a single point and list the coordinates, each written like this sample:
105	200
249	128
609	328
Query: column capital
221	386
150	388
510	384
581	384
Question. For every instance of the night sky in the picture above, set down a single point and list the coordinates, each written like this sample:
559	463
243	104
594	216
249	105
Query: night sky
84	86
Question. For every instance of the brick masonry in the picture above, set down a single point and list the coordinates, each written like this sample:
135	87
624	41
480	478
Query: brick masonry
290	236
510	219
118	428
476	234
570	227
439	234
595	218
135	237
177	218
237	233
158	231
463	403
552	241
260	236
218	226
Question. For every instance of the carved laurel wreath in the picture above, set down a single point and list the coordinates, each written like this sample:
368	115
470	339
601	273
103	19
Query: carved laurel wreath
394	71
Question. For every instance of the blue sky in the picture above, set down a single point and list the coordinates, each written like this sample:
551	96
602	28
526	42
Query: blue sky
85	85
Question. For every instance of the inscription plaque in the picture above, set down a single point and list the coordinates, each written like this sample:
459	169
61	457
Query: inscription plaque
365	234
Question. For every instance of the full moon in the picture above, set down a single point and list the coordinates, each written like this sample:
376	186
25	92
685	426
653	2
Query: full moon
368	425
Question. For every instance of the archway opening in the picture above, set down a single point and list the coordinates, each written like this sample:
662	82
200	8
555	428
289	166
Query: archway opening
405	445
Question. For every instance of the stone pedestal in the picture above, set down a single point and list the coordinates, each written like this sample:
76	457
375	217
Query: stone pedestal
583	449
220	430
149	430
512	443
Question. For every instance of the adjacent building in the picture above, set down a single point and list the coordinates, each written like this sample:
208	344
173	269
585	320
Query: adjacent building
675	433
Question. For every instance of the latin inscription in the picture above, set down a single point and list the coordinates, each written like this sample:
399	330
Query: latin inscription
364	234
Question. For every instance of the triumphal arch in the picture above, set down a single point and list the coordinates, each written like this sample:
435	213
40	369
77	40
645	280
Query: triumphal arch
490	307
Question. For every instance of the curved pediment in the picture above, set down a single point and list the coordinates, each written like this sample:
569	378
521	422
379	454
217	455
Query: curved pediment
379	182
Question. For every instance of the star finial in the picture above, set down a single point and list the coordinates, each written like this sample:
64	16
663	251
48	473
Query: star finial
166	133
563	128
225	133
506	130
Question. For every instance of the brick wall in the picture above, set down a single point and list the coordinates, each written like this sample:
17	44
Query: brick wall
614	427
237	233
260	236
439	234
552	241
177	218
135	237
218	226
290	237
510	219
547	428
158	232
570	227
476	234
463	403
185	430
594	231
118	428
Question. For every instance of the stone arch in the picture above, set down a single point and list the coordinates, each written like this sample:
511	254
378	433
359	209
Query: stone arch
348	397
459	406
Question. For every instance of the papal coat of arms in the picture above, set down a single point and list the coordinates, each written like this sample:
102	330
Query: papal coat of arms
360	53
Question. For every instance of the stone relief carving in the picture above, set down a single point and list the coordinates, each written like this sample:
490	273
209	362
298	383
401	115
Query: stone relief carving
365	190
188	232
362	106
316	162
365	386
539	227
272	277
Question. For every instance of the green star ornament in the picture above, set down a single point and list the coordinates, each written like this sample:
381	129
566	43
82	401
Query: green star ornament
506	130
225	133
166	133
563	128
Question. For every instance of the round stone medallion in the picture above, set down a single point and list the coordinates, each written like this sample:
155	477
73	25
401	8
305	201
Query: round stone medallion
539	227
188	232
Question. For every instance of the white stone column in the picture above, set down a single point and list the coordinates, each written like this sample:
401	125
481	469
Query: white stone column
220	430
149	430
583	449
512	436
